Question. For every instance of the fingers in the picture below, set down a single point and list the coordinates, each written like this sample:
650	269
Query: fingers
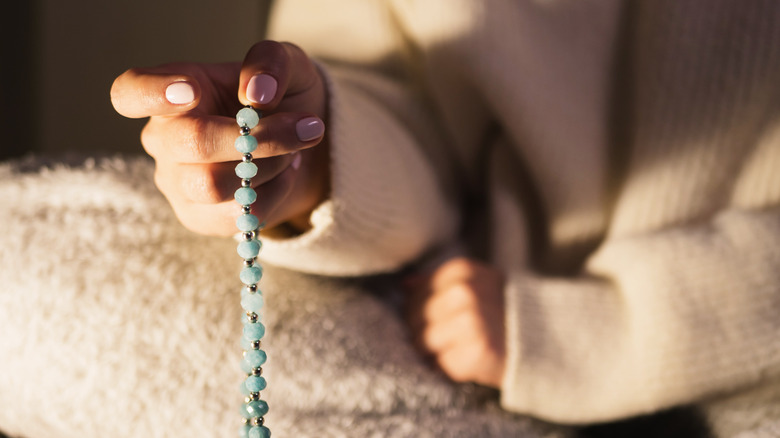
149	92
209	139
273	70
446	333
470	363
456	314
220	218
212	183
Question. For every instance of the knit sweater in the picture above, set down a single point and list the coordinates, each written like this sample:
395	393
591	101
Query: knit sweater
627	155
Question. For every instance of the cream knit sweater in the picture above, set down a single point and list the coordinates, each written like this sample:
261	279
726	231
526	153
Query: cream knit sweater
630	156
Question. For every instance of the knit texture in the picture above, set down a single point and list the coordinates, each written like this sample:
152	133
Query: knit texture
116	321
629	152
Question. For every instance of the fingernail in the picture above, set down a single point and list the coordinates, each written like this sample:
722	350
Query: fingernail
180	93
261	89
296	162
309	128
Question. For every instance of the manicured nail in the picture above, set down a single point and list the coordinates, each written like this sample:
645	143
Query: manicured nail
296	162
309	128
180	93
261	89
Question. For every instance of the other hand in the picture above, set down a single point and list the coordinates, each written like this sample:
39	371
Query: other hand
457	317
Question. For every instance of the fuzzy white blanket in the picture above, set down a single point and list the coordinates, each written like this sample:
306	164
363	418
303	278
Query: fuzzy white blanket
117	322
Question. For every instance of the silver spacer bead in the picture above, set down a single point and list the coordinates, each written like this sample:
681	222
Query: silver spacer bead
246	182
249	262
252	317
247	399
254	396
246	208
257	371
244	130
247	158
252	288
255	345
257	421
249	235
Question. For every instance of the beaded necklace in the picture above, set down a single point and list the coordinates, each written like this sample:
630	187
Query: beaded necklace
253	409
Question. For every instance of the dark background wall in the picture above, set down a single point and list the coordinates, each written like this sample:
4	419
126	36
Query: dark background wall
59	58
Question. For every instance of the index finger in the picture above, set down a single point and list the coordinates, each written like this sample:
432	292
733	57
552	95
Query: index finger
139	93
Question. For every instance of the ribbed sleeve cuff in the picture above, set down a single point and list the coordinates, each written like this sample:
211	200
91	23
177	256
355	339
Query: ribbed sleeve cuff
559	335
385	208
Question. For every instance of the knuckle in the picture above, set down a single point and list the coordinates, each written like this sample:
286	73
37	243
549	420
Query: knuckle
271	142
456	371
293	51
427	339
269	49
460	267
157	177
195	145
202	187
299	57
160	180
148	139
463	293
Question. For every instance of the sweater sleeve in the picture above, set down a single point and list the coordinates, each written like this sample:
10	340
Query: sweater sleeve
656	320
386	205
389	200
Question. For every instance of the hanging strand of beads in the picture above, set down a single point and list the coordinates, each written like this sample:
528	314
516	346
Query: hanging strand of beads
253	408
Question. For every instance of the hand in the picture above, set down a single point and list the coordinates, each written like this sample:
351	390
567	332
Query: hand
192	128
457	317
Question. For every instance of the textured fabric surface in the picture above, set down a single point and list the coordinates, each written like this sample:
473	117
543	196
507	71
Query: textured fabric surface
116	321
629	155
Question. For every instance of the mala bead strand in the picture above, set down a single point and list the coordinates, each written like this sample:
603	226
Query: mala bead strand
254	409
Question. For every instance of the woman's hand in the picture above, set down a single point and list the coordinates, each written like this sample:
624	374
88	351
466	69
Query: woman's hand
192	128
457	317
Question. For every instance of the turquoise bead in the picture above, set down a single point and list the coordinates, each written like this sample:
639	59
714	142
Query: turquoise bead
248	222
248	249
253	359
255	383
251	274
246	144
246	170
254	331
247	117
245	195
245	343
252	302
253	409
242	389
259	432
243	432
245	291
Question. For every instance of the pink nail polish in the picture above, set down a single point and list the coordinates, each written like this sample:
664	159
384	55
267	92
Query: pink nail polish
296	162
261	89
309	128
179	93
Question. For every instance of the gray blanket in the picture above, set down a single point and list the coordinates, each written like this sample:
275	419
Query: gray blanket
117	322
